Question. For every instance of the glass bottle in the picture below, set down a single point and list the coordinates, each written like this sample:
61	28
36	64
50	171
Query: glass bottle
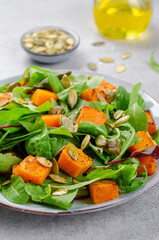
122	19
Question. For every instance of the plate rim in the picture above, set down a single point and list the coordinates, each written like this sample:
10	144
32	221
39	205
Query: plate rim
94	207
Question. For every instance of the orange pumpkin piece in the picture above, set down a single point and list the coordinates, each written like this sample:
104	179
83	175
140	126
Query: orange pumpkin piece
5	98
103	89
151	123
30	170
103	190
150	164
14	167
145	143
51	120
41	96
74	167
88	114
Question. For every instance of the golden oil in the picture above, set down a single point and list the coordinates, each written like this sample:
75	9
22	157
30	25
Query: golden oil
122	19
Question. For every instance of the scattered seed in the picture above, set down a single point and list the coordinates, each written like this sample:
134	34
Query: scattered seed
122	120
44	162
55	166
61	75
67	123
85	142
57	110
113	146
66	81
107	60
101	98
100	141
58	178
12	86
98	43
5	182
59	152
60	192
72	151
20	100
126	55
92	66
111	95
118	114
120	68
75	128
72	98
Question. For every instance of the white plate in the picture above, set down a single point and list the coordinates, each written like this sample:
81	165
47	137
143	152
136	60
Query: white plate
85	205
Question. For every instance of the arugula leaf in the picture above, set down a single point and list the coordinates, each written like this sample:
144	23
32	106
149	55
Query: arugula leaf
122	99
156	136
63	201
60	131
55	83
37	192
92	129
153	63
7	161
15	191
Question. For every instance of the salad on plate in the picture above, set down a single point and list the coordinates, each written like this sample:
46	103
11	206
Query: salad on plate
66	137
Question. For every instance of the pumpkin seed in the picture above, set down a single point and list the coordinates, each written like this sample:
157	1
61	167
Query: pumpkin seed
12	86
120	68
118	114
96	167
67	123
72	151
66	81
49	44
100	141
70	41
126	55
92	66
98	43
58	178
122	120
20	100
85	142
44	162
113	146
101	98
75	128
59	152
5	182
60	192
107	60
28	45
72	98
57	110
111	95
61	75
55	166
75	181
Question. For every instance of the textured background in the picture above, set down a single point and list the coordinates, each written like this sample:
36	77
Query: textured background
137	220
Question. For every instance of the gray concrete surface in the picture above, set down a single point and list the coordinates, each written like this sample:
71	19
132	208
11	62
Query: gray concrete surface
137	220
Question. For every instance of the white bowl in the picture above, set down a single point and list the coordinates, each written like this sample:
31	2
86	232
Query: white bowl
51	58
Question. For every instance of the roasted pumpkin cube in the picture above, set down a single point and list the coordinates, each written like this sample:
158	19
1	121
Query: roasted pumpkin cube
145	143
51	120
74	167
88	114
103	190
30	170
150	164
151	123
41	96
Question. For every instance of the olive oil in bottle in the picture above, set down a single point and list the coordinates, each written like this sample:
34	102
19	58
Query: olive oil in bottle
122	19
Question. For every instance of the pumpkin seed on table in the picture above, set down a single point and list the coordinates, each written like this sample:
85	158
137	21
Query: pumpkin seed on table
72	98
126	55
72	151
85	142
101	98
92	66
107	60
121	120
120	68
44	162
98	43
60	192
58	178
55	166
100	141
66	81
